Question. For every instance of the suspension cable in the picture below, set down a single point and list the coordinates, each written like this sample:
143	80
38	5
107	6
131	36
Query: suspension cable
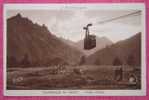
119	17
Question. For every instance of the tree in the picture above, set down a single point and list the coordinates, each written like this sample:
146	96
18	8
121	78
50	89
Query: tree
25	61
97	62
117	62
130	60
11	61
82	60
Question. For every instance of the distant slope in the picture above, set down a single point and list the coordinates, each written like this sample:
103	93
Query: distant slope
67	41
101	42
123	50
32	44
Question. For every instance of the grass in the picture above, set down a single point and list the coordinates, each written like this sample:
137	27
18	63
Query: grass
78	77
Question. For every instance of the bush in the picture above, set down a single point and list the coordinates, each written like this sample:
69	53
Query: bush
130	60
117	62
25	61
11	61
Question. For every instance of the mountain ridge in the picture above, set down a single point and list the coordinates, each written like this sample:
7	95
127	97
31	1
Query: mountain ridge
26	40
122	50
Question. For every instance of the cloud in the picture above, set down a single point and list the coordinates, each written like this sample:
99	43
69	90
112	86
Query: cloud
42	16
116	31
69	23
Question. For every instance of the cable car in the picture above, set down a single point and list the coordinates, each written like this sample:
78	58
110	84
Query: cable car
89	40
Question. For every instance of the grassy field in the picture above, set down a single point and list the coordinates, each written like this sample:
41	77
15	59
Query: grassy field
70	77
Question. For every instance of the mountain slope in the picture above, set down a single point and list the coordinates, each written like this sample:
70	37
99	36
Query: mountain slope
123	50
36	44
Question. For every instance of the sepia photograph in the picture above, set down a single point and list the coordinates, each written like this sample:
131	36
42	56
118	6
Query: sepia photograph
74	47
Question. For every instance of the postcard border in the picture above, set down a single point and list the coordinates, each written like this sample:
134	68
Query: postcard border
141	92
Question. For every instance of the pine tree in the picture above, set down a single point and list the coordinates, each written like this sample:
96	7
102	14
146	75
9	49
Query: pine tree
25	60
117	62
82	60
130	60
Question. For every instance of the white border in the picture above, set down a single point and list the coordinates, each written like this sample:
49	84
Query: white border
103	6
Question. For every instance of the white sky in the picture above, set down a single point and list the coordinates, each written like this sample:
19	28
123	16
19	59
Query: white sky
69	23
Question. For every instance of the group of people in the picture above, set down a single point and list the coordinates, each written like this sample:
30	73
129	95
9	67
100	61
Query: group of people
119	75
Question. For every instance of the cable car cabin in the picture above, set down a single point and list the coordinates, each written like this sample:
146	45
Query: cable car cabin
89	40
